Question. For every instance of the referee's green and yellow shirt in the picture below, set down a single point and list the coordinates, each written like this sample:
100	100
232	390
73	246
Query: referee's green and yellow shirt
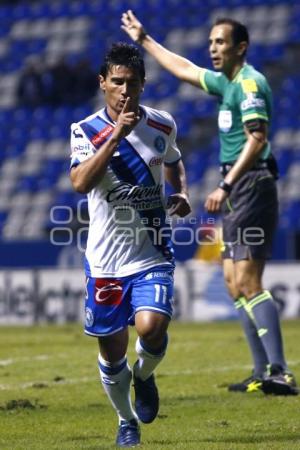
248	96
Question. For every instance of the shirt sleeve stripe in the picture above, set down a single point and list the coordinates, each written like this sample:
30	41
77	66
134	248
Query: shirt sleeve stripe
255	116
202	79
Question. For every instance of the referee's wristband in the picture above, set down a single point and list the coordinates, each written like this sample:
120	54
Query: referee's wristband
225	186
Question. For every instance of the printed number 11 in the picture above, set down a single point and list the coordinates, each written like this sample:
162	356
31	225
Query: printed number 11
158	289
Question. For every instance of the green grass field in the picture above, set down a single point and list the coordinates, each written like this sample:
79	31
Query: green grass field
51	397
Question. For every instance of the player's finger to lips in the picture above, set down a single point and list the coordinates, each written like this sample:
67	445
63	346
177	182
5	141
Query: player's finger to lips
126	105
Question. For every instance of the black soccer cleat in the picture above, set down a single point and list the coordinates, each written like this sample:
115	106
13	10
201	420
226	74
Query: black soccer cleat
146	398
250	384
280	382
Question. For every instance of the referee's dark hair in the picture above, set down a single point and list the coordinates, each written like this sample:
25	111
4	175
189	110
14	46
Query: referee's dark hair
239	31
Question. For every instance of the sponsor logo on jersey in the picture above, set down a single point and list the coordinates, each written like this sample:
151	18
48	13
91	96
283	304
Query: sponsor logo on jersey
252	102
89	317
159	126
108	292
100	137
160	144
138	197
76	133
152	275
84	149
155	161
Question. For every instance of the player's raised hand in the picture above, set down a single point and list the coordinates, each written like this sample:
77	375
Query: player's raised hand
132	26
126	121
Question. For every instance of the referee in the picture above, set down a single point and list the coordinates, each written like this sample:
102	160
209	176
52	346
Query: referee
246	194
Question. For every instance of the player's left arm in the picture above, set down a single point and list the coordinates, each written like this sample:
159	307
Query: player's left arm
179	201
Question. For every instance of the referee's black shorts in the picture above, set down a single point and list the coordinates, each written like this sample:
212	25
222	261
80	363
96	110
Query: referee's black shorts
250	217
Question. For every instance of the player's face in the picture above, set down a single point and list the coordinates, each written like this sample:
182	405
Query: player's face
121	82
224	54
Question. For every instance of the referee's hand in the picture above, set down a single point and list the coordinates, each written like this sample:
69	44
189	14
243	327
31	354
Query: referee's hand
214	200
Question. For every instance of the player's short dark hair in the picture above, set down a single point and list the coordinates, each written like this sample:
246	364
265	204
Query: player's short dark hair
123	54
239	30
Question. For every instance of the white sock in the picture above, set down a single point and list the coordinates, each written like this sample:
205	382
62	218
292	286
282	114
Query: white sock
148	360
116	379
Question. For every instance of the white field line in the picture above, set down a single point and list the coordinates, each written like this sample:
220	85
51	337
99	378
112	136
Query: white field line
214	369
31	384
217	369
44	357
8	362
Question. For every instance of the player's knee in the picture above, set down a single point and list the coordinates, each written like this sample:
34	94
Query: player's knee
247	288
152	335
151	327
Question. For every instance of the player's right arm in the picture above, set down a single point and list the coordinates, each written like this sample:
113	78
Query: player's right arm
86	175
181	67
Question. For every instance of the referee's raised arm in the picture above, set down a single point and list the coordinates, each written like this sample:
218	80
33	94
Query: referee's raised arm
180	67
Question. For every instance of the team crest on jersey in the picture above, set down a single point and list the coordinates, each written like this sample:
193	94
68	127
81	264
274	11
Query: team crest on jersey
160	144
89	317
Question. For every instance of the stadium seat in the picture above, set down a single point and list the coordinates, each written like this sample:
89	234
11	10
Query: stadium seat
35	154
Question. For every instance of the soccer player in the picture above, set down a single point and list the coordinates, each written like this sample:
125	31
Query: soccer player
120	158
247	193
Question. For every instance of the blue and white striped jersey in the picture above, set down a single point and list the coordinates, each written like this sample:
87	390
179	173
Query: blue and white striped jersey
129	230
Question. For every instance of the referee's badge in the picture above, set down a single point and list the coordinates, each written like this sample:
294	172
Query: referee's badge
160	144
225	120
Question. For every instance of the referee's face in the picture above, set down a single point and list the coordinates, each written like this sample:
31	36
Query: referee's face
225	56
121	82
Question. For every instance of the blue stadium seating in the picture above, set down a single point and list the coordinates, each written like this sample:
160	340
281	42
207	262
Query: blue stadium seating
34	150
